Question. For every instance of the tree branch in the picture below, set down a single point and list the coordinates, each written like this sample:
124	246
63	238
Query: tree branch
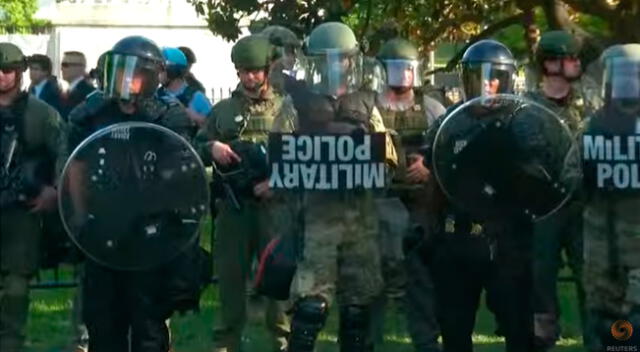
504	23
367	20
448	23
592	7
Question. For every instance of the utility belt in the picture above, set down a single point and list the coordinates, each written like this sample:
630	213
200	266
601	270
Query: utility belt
456	229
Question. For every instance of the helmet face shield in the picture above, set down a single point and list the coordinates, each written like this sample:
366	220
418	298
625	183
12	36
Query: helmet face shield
621	79
487	79
127	77
402	73
286	55
334	72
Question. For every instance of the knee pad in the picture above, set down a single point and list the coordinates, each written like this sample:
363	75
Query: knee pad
309	317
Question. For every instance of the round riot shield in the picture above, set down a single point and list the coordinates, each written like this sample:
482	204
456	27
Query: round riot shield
132	195
610	142
504	156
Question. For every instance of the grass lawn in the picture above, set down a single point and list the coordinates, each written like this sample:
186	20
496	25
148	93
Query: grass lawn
50	328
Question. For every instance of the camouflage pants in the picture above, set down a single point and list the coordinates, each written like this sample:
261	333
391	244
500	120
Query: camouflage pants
239	236
19	250
612	293
341	254
561	231
407	278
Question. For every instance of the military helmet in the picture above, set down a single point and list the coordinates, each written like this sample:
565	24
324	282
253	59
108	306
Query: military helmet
280	36
333	61
131	69
555	44
175	62
398	48
252	52
621	81
138	46
488	50
488	68
11	57
401	64
331	36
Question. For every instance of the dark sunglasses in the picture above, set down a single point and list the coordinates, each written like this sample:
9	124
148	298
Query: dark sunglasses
69	64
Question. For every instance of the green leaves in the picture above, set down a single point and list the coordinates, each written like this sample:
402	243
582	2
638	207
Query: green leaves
16	16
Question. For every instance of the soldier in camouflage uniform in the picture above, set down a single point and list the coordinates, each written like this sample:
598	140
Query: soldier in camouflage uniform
611	221
127	309
407	113
560	67
248	116
31	134
341	253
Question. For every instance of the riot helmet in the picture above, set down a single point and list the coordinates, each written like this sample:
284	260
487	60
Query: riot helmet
131	69
488	68
286	43
621	77
333	62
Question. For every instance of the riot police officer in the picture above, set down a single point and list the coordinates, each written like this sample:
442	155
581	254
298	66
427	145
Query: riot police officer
287	47
611	222
407	113
341	253
237	126
473	252
31	132
128	308
558	62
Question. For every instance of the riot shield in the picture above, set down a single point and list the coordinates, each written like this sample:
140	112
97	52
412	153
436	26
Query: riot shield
132	195
610	142
504	156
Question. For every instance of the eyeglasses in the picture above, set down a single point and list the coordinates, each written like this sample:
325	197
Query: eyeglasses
69	64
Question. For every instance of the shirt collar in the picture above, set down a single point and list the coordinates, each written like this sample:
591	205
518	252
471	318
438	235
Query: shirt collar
73	84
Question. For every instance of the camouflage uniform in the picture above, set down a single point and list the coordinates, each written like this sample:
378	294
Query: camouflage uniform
240	234
558	232
612	226
21	230
407	275
341	254
37	130
562	230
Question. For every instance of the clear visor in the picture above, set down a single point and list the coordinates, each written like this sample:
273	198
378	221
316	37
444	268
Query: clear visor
334	73
487	79
126	77
287	56
402	73
622	79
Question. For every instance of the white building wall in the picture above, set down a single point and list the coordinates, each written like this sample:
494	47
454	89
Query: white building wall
94	26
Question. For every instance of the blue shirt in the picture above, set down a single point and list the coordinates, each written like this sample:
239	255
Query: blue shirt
199	102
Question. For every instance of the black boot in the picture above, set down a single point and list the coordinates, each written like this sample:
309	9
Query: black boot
309	317
354	329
